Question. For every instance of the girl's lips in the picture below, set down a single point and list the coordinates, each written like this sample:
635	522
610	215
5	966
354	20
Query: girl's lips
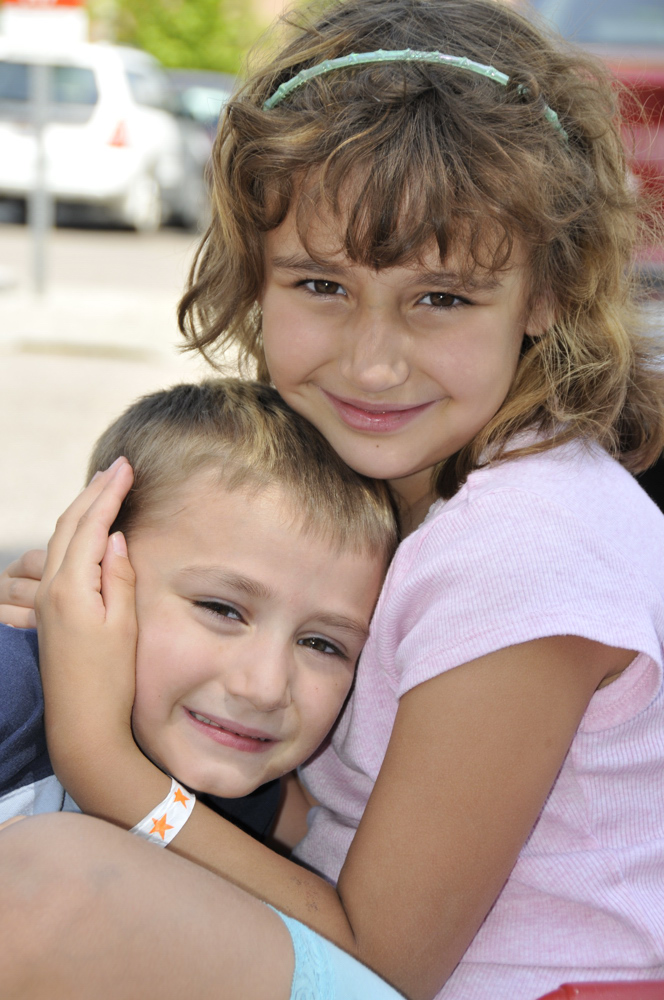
377	417
230	734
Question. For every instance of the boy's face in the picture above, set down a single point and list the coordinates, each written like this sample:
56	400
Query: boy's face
249	632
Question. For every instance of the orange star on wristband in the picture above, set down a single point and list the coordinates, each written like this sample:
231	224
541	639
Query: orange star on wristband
179	796
160	831
160	826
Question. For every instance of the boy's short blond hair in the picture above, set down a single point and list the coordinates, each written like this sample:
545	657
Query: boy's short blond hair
244	433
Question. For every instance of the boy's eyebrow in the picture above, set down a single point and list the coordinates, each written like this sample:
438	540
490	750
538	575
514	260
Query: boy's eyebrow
448	279
352	625
215	577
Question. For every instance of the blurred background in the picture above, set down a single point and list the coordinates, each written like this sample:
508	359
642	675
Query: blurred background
107	115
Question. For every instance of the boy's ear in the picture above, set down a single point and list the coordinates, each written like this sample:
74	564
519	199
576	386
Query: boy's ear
541	317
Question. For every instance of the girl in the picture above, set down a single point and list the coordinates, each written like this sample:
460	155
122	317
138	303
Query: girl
422	237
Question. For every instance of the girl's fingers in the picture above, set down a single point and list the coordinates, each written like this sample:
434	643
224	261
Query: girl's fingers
18	586
18	617
68	522
83	528
28	566
118	583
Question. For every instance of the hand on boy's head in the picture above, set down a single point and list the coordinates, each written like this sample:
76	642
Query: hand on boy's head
18	587
19	583
87	624
80	540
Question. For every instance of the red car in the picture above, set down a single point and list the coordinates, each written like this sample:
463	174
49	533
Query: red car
629	36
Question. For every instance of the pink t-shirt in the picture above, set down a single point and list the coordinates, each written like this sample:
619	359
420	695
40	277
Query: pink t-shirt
564	543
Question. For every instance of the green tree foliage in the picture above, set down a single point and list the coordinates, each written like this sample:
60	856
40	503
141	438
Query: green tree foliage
199	34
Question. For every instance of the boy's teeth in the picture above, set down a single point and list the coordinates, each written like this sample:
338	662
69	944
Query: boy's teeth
208	722
215	725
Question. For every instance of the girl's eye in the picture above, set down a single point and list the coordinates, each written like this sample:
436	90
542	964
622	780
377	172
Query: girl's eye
321	646
442	300
220	610
318	286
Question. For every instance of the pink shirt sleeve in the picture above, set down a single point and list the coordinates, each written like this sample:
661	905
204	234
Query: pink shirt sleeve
505	568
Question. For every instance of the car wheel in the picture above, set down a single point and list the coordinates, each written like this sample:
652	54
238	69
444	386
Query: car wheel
143	206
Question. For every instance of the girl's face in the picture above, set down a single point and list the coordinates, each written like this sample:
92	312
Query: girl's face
398	368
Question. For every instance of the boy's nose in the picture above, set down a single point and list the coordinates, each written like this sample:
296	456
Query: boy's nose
375	357
260	676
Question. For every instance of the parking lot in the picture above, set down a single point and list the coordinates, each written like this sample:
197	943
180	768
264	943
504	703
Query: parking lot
104	333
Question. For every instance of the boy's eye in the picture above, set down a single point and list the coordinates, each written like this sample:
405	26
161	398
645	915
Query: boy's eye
442	300
321	287
321	645
220	609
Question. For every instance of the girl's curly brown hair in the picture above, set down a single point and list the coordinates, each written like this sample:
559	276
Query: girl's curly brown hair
409	155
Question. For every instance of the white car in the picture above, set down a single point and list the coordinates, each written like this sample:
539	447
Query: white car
111	141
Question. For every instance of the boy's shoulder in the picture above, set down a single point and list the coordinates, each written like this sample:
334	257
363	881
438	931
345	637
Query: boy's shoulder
17	645
23	754
19	670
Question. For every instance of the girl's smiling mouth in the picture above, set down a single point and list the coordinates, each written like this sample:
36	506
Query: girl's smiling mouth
231	734
376	417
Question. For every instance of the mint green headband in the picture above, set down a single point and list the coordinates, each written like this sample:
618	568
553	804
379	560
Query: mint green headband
400	55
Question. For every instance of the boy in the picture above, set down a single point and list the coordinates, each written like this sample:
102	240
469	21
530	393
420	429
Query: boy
258	557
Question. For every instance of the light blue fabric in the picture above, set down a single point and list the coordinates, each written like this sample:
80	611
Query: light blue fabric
325	972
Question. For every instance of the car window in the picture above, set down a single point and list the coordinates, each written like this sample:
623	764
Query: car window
14	82
607	22
72	92
148	88
73	85
204	104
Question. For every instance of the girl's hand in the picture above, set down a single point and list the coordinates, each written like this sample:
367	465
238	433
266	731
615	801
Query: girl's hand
18	586
87	629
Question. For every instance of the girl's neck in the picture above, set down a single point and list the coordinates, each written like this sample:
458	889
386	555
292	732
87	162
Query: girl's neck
413	501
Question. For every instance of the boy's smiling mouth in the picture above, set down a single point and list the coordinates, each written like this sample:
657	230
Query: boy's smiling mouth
230	733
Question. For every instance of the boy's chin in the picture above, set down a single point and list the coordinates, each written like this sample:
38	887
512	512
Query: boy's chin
222	787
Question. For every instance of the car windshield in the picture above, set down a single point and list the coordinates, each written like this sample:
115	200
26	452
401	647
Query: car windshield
72	92
204	104
607	22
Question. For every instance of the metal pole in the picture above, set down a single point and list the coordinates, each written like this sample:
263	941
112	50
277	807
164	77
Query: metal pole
40	210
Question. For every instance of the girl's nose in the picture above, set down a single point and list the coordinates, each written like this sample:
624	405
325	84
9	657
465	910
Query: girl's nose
375	356
260	676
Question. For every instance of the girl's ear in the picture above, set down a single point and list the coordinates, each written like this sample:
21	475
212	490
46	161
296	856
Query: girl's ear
542	316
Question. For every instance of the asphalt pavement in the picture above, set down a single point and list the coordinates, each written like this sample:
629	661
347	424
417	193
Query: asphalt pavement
104	333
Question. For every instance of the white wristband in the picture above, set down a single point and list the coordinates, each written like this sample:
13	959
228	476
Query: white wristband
167	819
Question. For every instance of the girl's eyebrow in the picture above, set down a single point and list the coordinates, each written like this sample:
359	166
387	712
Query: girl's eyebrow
304	264
307	265
451	279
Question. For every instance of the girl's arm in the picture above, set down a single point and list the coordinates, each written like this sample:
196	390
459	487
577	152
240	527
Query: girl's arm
291	823
472	757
